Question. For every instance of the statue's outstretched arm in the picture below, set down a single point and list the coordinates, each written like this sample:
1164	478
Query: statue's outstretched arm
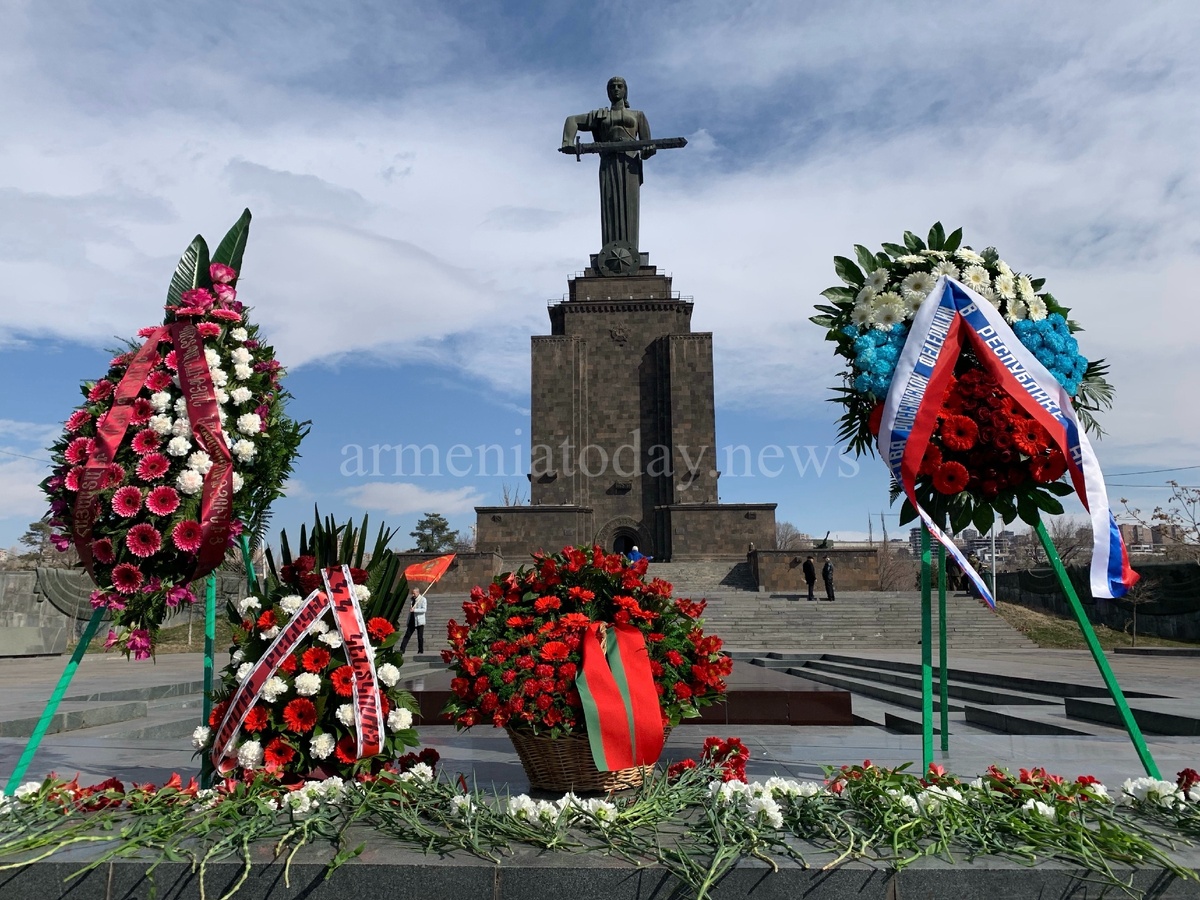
643	133
575	124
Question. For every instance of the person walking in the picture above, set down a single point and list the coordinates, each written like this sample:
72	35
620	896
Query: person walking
827	577
810	576
417	605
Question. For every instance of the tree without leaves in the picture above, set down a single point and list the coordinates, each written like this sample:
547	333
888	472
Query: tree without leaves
788	537
433	534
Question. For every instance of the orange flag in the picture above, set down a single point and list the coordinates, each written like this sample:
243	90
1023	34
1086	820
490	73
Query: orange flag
430	570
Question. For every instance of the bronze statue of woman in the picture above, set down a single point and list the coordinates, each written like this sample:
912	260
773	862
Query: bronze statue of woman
621	171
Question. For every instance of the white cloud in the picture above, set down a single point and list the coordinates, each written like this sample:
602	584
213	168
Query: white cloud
21	500
37	433
403	498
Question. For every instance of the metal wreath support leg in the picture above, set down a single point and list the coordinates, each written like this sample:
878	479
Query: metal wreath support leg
943	689
926	655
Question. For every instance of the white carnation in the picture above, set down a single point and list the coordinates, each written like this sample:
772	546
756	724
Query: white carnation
388	674
345	714
181	427
250	755
244	450
319	627
238	482
189	482
27	789
766	808
249	423
237	656
212	357
308	684
240	395
241	356
160	424
291	604
181	407
273	688
160	401
200	461
242	372
331	639
244	671
361	592
321	746
239	334
399	719
270	634
200	736
1038	808
248	603
219	378
222	395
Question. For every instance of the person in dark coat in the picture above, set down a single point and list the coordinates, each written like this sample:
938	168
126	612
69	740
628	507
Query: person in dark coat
810	576
827	577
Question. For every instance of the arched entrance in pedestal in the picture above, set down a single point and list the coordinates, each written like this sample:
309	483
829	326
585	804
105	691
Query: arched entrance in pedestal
624	541
622	534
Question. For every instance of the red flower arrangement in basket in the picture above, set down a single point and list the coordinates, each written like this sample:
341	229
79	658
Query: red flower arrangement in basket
518	655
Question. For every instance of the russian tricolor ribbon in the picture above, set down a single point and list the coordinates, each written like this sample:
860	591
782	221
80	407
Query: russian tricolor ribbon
619	699
360	656
195	380
951	315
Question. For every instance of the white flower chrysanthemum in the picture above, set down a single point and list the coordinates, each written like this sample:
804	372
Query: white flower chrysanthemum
331	639
361	592
160	425
321	746
399	719
250	755
969	256
291	604
240	395
238	482
1006	286
160	401
947	268
1002	268
1017	310
219	377
200	736
863	314
911	259
274	687
989	295
182	427
918	282
189	482
1037	308
345	714
766	808
249	423
308	684
181	406
242	372
244	671
389	675
212	357
936	254
179	446
1025	288
878	279
239	334
865	295
889	314
912	302
244	450
270	634
976	278
200	461
1038	808
248	603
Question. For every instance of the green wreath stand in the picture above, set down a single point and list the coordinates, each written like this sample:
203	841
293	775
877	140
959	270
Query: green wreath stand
89	632
1089	636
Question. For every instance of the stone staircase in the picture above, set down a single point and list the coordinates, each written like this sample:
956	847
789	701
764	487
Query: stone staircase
702	577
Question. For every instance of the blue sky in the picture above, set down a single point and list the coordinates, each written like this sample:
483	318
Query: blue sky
412	218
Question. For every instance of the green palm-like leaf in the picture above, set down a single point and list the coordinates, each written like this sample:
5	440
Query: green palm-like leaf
191	272
233	245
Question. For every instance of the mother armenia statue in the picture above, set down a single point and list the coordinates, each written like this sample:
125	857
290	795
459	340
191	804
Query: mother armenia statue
623	141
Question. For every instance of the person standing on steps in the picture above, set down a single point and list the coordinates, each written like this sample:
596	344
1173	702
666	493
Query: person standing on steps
810	577
417	605
827	577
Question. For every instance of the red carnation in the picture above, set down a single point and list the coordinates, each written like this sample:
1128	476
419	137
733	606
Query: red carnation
959	433
951	478
379	628
315	659
300	715
343	681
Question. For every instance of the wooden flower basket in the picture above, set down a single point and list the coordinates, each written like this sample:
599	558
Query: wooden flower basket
565	764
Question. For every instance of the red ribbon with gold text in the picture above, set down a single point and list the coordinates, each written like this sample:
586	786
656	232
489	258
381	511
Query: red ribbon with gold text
368	709
216	500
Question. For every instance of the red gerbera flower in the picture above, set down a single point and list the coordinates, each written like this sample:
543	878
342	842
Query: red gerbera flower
1030	437
78	419
126	578
145	441
152	466
187	536
554	651
931	461
100	391
543	605
158	379
343	681
266	620
289	664
114	474
78	450
300	715
951	478
379	628
143	540
142	411
257	719
345	750
102	550
127	501
277	754
1045	469
315	659
209	329
959	432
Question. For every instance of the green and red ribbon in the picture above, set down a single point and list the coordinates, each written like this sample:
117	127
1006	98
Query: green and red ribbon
620	703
